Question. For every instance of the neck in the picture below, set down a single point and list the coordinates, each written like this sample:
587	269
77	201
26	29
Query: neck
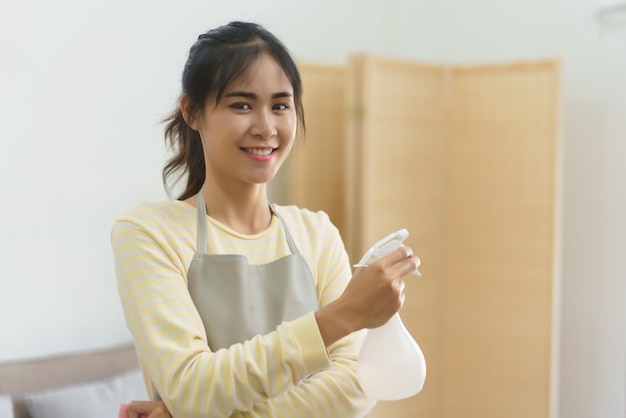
245	211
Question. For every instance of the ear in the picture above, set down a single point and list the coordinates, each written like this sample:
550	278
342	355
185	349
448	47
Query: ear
185	108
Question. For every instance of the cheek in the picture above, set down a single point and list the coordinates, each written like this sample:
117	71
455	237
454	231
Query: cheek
289	128
218	128
221	120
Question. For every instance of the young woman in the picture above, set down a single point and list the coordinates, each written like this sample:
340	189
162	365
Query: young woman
237	307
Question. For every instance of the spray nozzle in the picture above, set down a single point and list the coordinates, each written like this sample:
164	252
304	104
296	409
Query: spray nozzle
383	247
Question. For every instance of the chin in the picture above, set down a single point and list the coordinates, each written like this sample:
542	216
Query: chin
262	178
259	180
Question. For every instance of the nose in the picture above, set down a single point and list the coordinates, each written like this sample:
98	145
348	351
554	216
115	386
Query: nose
264	124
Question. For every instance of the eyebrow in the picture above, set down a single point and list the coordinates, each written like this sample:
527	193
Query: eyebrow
253	96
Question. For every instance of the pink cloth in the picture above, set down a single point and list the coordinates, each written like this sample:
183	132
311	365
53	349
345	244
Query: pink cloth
123	413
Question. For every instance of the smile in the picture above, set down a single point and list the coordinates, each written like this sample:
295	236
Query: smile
259	151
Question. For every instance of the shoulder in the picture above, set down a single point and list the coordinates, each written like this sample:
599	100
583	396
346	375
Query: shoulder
319	241
163	212
159	220
312	227
161	230
303	218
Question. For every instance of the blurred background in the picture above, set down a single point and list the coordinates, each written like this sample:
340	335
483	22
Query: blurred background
85	84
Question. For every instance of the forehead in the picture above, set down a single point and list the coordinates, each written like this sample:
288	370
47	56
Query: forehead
263	74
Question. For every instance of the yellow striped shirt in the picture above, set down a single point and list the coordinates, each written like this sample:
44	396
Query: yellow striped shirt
286	373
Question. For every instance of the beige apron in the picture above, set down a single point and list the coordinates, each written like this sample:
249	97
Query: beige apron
238	301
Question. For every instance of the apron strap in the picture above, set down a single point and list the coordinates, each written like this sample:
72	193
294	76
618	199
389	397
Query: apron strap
292	245
202	227
202	240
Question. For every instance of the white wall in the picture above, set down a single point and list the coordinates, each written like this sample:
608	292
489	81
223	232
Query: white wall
83	85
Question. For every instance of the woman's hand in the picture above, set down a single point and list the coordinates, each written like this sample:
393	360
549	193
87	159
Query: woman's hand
148	409
374	295
376	292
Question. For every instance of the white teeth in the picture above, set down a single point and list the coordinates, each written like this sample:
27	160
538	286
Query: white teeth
257	151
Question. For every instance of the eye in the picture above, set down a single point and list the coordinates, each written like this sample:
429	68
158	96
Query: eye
240	106
280	106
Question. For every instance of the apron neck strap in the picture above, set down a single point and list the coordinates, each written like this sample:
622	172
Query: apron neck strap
202	226
292	245
202	241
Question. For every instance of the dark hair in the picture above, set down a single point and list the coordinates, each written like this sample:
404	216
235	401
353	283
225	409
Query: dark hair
217	59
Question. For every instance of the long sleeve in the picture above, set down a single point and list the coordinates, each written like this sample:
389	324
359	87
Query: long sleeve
287	372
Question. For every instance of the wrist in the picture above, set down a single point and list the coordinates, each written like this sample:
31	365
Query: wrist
335	322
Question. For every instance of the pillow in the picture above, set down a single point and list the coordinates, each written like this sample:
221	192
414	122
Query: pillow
98	399
6	406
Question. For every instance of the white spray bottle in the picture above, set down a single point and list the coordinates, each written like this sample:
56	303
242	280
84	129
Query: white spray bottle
391	365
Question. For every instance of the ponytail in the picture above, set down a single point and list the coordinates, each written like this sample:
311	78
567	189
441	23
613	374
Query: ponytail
188	159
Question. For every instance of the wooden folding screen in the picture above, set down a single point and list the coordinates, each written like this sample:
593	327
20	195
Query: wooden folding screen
500	228
465	159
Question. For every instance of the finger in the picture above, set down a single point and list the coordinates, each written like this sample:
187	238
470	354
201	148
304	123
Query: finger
131	412
398	285
417	261
407	266
138	408
398	255
123	411
160	412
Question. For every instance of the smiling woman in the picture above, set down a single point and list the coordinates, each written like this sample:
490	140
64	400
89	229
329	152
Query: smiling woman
247	134
211	54
238	307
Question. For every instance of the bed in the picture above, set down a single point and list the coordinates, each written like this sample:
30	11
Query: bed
86	385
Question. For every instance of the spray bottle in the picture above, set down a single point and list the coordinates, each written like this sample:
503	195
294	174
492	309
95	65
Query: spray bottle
391	365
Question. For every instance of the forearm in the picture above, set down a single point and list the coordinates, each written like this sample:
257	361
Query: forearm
332	392
335	322
235	379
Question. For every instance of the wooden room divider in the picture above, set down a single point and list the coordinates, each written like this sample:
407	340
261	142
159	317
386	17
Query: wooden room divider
466	159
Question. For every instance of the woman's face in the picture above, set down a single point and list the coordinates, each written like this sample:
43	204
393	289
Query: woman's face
248	135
